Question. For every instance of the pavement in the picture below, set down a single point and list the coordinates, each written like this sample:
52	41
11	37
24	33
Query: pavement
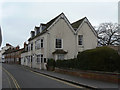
90	83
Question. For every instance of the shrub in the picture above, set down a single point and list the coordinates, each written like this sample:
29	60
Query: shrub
51	62
99	59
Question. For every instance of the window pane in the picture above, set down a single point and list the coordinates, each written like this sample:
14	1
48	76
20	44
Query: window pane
80	39
41	43
60	56
58	43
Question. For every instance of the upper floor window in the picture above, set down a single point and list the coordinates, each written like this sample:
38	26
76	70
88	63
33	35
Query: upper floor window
37	44
80	39
31	46
58	43
41	43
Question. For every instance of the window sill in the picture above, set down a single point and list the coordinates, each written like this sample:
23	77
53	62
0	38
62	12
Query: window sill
81	46
58	48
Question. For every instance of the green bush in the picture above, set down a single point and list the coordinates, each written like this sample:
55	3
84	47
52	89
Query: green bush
70	63
99	59
51	62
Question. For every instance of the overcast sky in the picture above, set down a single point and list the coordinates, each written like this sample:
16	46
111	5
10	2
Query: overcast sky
19	18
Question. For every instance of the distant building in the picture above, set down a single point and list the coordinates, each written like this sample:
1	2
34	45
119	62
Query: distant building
13	55
2	58
58	39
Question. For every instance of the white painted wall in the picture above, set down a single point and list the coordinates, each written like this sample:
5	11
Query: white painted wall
63	31
89	38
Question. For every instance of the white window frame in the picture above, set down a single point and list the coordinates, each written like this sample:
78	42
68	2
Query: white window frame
79	40
29	47
42	43
38	57
59	56
61	44
41	58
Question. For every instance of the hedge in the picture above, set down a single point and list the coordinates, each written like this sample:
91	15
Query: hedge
99	59
51	62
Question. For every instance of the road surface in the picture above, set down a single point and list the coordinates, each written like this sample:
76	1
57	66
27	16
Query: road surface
17	76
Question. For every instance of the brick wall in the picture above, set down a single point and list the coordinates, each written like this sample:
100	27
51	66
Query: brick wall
108	77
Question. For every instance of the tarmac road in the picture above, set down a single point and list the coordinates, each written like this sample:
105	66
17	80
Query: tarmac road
16	76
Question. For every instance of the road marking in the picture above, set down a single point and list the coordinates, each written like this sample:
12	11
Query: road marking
9	83
14	80
76	86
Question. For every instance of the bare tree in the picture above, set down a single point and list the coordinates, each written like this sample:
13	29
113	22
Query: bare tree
108	34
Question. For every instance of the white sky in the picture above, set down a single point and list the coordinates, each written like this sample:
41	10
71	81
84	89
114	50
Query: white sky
19	18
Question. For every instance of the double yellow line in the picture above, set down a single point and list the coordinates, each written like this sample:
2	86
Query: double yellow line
13	79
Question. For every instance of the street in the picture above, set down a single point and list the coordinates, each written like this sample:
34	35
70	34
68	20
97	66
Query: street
17	76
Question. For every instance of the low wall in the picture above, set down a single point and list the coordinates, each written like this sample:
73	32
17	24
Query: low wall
109	77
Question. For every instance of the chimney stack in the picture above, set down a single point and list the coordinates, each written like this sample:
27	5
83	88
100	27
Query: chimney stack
25	44
17	47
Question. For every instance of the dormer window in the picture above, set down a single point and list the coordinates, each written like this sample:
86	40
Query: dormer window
37	30
42	27
32	34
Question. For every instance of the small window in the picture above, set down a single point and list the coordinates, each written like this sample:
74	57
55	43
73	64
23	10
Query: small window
24	60
60	57
41	58
38	58
45	61
31	58
41	43
31	46
28	58
58	43
80	39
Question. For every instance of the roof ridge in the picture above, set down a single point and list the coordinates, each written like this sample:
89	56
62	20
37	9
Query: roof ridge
79	20
77	23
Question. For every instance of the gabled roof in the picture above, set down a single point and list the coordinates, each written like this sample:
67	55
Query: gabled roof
51	22
48	24
76	24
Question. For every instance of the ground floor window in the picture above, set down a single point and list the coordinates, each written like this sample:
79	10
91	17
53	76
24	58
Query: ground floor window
40	58
60	57
31	58
24	60
28	59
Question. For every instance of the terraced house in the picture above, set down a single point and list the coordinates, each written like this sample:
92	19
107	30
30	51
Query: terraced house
58	39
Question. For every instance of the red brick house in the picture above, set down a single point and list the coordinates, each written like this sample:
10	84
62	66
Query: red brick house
13	55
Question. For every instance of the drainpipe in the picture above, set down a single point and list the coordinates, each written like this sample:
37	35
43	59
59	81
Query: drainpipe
48	45
76	50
